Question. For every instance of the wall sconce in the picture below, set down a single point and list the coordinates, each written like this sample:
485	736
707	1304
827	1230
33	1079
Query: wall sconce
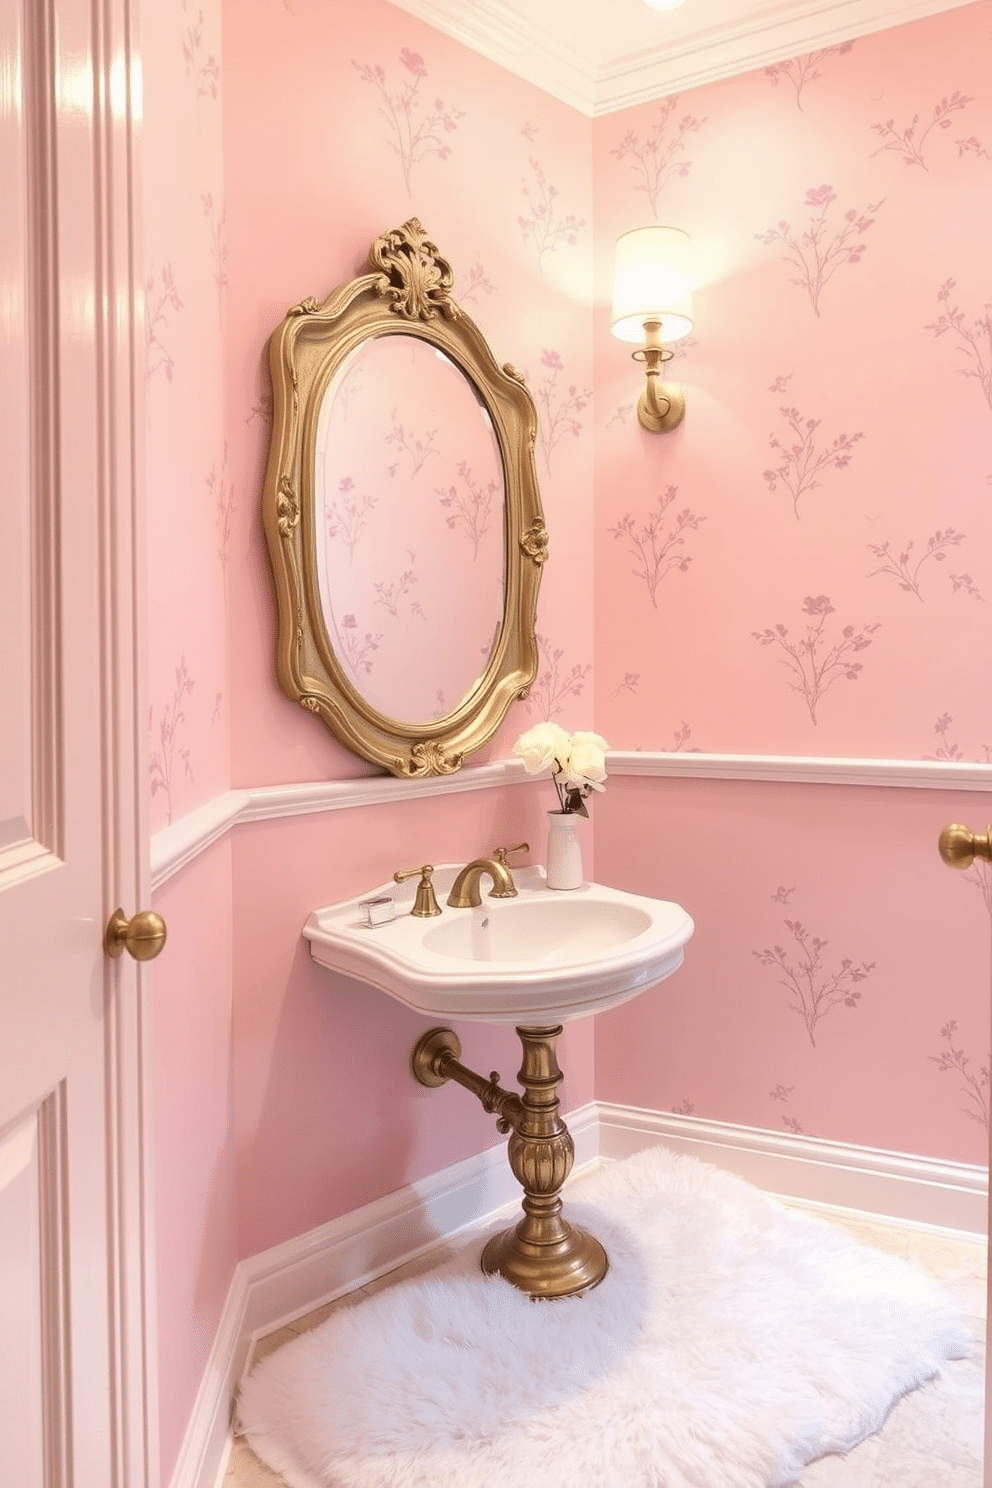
652	304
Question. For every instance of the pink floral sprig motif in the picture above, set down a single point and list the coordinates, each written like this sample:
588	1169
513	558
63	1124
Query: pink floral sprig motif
417	129
261	409
972	146
161	298
555	682
784	1093
559	407
801	461
347	517
475	284
974	1087
949	749
814	991
218	247
470	507
222	492
909	141
358	649
417	448
657	544
203	71
546	230
974	340
162	760
661	154
815	661
818	251
681	743
905	567
390	595
802	70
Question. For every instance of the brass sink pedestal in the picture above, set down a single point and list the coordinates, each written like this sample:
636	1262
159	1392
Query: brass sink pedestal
542	1255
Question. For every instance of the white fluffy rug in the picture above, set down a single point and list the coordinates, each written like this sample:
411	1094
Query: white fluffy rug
732	1342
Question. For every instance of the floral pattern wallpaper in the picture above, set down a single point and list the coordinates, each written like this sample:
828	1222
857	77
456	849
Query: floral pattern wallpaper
500	176
190	494
802	568
838	443
805	568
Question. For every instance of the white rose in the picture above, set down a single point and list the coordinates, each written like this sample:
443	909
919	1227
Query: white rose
586	762
540	746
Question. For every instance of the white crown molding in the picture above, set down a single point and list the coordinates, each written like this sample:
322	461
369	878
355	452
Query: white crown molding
514	41
791	31
524	44
176	845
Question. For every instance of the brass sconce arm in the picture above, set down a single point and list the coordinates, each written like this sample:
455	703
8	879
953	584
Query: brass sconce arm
652	304
661	405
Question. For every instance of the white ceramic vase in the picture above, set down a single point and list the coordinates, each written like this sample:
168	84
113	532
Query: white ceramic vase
564	860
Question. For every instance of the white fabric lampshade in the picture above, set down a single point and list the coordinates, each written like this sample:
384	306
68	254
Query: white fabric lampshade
651	282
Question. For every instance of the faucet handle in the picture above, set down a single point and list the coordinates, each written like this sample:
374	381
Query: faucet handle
425	901
501	853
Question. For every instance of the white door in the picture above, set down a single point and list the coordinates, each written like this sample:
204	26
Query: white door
73	1345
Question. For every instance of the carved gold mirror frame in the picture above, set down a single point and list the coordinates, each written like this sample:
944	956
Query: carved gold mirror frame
408	292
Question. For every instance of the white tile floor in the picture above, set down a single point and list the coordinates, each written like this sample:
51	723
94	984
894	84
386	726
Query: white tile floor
932	1438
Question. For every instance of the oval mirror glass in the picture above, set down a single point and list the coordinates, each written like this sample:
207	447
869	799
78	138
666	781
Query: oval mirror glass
409	498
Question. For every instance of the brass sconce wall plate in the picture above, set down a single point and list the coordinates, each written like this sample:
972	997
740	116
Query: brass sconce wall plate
405	294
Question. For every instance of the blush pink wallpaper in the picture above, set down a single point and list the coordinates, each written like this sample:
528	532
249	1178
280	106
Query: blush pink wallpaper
805	567
190	501
338	122
802	568
327	145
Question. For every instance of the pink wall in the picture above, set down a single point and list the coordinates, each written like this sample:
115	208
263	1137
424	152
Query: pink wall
327	1116
827	495
319	160
301	213
321	102
197	1243
833	951
805	567
282	1096
189	509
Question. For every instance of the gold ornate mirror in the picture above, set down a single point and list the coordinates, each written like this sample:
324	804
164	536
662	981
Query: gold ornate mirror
402	515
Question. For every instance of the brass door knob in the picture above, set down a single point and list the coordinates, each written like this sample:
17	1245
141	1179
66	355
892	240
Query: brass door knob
959	848
142	936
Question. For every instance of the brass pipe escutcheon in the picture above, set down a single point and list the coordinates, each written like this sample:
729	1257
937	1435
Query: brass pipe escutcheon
543	1255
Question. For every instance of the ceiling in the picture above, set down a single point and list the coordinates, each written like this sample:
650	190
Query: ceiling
603	55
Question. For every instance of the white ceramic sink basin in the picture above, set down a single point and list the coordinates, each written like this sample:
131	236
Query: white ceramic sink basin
544	957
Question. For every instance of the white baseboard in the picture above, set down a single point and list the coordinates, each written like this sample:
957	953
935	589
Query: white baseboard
278	1285
893	1185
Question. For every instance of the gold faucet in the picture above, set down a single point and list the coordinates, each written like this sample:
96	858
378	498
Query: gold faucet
465	889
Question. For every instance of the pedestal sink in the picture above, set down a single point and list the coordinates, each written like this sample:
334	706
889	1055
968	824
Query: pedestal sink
543	957
536	961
